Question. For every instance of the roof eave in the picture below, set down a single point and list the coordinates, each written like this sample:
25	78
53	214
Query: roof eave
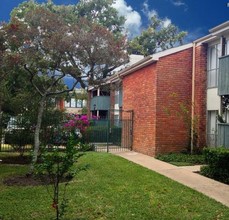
143	63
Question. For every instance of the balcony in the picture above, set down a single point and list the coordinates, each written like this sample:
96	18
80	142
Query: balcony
223	78
100	103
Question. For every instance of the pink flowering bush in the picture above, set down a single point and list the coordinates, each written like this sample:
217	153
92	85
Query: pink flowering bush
74	125
77	123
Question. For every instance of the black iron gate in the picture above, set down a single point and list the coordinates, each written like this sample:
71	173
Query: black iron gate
113	133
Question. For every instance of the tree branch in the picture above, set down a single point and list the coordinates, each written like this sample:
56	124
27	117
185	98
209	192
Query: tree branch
63	91
31	80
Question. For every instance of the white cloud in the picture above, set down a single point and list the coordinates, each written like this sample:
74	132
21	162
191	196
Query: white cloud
147	12
166	22
133	19
179	3
150	13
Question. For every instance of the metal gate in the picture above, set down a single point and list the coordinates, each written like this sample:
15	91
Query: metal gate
113	133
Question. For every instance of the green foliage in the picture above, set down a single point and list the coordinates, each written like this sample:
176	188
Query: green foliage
58	162
220	119
101	12
182	158
156	38
217	164
19	139
57	165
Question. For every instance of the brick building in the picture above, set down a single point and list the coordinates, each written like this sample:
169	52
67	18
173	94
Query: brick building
155	89
177	94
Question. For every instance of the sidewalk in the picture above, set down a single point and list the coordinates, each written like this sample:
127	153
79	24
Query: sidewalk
183	175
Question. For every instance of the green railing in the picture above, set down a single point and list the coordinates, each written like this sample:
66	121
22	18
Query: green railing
100	103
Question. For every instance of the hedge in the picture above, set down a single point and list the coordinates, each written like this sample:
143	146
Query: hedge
217	160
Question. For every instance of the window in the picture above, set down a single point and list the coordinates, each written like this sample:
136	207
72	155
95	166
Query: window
104	93
74	103
118	97
94	93
79	104
67	104
213	65
227	47
212	128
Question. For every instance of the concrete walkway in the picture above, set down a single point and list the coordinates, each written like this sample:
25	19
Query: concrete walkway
184	175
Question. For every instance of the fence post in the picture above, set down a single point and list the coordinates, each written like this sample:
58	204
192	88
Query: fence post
108	130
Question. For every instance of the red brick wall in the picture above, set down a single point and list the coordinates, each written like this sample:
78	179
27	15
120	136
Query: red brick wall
173	104
200	93
148	92
139	95
60	104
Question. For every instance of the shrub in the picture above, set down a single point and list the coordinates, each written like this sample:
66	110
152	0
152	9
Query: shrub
57	166
217	164
18	139
191	159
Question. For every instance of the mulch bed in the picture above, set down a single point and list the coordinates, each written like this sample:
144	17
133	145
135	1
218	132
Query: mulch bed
25	180
16	160
31	180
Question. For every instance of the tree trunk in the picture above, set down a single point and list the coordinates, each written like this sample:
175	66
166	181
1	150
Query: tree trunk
37	130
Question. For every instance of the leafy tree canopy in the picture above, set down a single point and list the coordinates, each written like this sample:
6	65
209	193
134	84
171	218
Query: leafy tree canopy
102	12
155	38
49	47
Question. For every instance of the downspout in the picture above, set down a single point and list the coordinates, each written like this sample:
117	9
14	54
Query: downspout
193	96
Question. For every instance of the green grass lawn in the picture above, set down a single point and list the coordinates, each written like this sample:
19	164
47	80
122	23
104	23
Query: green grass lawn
111	188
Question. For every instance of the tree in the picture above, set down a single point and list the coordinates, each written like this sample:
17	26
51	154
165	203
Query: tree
101	12
49	48
155	38
9	62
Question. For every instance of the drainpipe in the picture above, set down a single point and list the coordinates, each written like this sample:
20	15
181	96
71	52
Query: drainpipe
193	95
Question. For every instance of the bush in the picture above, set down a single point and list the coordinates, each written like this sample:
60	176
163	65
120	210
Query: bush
18	139
217	164
190	159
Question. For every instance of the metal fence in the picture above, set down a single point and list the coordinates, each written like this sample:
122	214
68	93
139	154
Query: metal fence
219	138
212	140
110	134
17	133
223	135
114	133
14	136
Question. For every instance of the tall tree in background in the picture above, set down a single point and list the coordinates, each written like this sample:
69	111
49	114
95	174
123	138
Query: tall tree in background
156	37
50	48
101	12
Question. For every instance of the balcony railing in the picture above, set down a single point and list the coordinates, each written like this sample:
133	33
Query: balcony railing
100	103
223	77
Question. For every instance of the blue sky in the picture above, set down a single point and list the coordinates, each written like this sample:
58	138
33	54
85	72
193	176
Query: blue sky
194	16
